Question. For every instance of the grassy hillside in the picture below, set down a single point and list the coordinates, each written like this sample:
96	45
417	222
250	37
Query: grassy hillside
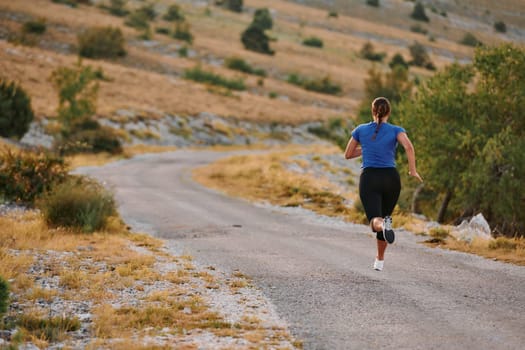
149	79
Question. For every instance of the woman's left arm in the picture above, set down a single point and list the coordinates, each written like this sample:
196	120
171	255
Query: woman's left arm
353	150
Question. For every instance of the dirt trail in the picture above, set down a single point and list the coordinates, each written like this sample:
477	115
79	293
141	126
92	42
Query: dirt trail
317	271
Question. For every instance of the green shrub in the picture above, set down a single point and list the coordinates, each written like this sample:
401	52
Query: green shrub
323	85
420	57
4	296
88	136
233	5
313	42
255	39
417	28
174	14
500	27
368	52
149	11
333	14
398	60
241	65
419	13
101	42
262	19
374	3
35	27
162	30
202	76
138	19
72	3
79	203
182	32
118	8
182	51
470	40
16	113
24	175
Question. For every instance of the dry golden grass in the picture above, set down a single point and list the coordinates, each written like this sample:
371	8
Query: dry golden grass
265	178
510	250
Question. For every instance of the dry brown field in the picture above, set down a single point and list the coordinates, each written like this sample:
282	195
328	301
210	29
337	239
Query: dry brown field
149	79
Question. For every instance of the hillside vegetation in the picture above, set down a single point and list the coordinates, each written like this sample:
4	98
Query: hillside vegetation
149	76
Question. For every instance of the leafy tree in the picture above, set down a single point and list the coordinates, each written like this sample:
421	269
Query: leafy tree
374	3
174	14
468	130
262	19
420	57
77	92
16	113
368	52
393	85
437	123
255	39
398	60
419	13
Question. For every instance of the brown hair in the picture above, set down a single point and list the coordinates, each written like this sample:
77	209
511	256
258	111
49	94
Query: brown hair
380	109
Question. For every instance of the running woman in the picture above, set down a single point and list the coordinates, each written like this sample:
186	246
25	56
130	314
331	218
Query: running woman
379	184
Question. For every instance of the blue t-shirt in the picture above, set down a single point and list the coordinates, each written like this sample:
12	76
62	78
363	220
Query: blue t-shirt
381	152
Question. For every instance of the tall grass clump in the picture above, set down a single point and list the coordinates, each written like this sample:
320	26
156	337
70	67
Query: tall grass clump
48	329
202	76
25	175
101	42
79	203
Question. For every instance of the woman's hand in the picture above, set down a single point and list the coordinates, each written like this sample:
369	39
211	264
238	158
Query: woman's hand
416	175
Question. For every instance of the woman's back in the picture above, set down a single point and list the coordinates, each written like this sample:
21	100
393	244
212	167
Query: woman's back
378	151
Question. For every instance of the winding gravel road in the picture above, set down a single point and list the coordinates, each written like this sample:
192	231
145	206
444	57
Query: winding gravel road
317	271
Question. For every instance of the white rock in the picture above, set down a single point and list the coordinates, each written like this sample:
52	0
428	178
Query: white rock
477	227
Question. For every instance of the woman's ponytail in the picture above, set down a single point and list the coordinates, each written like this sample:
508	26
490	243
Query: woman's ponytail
380	109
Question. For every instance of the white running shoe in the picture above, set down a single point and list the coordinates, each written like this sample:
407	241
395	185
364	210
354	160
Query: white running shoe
378	265
388	233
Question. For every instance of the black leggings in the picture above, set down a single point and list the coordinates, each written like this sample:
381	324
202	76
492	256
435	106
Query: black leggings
379	190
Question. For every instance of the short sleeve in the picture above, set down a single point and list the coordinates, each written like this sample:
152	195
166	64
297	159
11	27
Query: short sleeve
399	130
355	134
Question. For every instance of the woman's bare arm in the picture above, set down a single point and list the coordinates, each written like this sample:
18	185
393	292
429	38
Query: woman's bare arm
353	150
403	139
